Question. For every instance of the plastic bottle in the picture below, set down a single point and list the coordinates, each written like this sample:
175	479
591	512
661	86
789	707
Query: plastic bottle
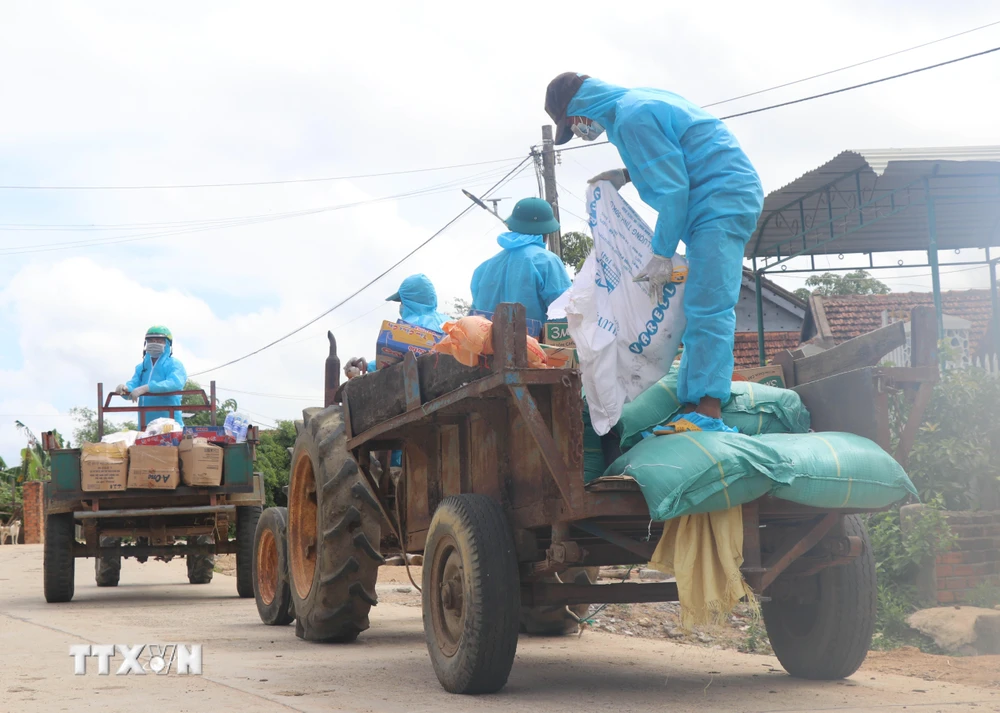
236	425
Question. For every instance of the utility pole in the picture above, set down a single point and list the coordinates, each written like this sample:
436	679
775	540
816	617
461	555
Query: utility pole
554	240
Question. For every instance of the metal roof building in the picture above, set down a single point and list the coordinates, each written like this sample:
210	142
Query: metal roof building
885	200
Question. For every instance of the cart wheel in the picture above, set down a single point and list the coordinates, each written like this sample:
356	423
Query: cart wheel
246	528
555	620
334	528
471	594
59	567
270	568
200	567
108	569
824	628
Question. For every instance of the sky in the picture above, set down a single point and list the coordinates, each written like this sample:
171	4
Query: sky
126	94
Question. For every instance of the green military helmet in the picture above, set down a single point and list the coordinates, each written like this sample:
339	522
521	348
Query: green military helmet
159	331
532	216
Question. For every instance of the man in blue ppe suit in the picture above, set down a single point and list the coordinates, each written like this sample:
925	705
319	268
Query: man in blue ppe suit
687	165
524	271
158	373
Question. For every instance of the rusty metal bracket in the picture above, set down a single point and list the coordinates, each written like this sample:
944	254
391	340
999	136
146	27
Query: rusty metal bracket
643	549
796	546
545	593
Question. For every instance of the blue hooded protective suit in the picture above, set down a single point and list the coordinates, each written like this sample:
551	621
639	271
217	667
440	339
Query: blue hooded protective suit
687	165
418	303
523	272
167	374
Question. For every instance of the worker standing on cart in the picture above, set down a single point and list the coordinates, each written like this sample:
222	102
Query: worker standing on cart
524	271
158	373
687	165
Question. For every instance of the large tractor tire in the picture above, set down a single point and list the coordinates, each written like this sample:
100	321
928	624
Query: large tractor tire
556	620
471	594
108	568
824	631
246	530
334	529
200	568
270	569
59	566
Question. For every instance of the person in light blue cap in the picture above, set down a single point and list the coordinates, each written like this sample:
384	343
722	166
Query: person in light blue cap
524	271
418	303
686	164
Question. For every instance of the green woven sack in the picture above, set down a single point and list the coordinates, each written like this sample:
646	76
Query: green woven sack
688	473
836	470
752	409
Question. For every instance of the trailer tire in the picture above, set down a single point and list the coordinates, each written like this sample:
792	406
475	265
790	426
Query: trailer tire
826	634
555	620
108	569
471	594
246	530
59	566
200	568
334	530
271	590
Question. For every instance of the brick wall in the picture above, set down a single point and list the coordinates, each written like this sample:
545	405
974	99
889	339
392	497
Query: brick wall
34	512
975	558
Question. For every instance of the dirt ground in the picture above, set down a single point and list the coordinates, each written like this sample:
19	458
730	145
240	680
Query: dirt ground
744	633
255	668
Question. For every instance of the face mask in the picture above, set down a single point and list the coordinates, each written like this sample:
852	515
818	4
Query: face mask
586	129
155	349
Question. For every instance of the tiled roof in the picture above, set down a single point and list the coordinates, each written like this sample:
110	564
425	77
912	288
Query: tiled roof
852	315
745	349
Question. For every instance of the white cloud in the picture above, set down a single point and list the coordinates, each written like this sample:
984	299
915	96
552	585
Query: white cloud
114	93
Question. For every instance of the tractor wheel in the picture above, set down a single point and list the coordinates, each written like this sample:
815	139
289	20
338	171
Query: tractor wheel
824	630
270	568
200	567
108	569
59	566
555	620
334	528
246	529
471	594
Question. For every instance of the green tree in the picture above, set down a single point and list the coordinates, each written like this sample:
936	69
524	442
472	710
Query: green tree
575	249
274	460
803	294
204	418
859	282
86	430
459	308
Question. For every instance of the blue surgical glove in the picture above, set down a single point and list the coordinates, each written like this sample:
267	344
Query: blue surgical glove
617	177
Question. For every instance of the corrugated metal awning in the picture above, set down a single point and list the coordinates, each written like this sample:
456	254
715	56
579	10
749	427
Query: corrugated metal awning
876	200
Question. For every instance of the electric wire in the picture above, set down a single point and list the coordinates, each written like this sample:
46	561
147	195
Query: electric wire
510	175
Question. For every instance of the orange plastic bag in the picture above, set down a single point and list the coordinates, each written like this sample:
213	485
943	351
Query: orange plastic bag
469	338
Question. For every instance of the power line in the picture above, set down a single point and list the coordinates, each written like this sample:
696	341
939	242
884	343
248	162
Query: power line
252	220
851	66
823	94
863	84
269	396
254	183
378	277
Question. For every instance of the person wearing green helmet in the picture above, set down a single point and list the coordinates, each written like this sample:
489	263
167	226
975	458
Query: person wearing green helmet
158	373
524	271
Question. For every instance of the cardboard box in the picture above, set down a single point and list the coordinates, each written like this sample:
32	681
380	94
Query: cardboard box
533	325
770	375
395	340
560	357
212	434
153	467
103	467
201	462
557	334
164	439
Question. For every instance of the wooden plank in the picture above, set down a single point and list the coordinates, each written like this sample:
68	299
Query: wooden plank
510	331
843	402
543	437
866	350
411	382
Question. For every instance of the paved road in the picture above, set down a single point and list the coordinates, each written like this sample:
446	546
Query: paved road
249	667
